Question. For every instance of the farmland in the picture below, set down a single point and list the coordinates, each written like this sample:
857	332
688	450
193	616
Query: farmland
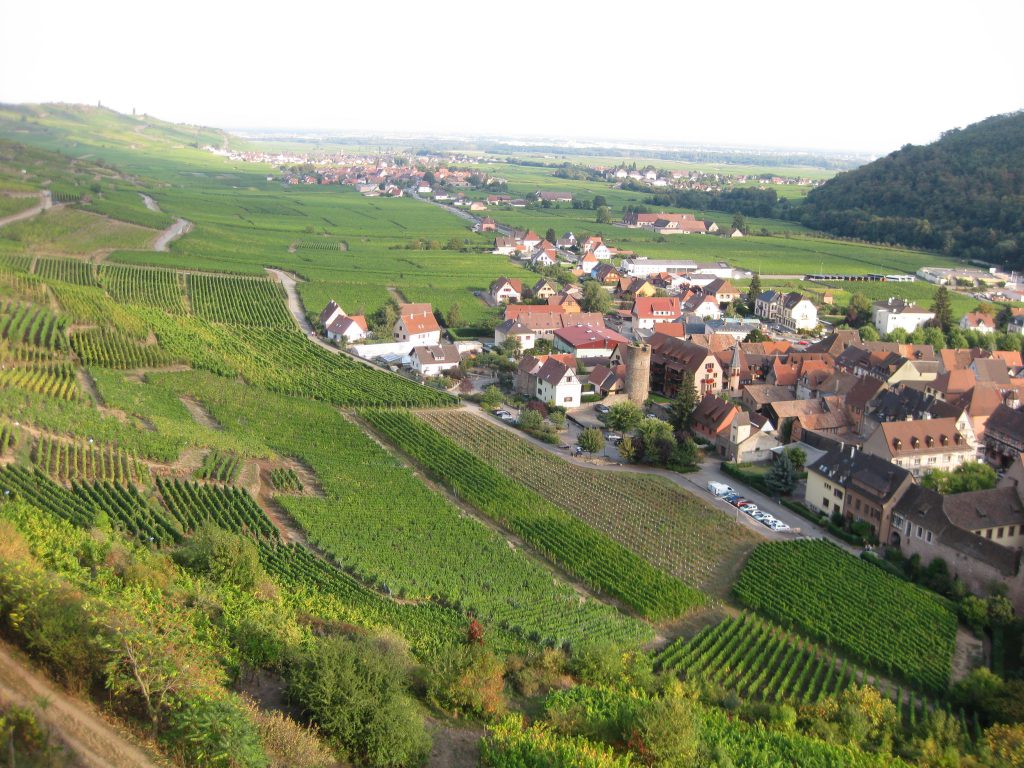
584	553
66	230
873	617
653	518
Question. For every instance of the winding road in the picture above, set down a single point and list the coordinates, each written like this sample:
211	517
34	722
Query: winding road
45	203
173	232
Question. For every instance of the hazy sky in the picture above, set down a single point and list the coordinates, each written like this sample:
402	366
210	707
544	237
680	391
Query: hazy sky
868	76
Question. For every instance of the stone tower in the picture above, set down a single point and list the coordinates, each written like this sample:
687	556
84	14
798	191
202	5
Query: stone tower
638	372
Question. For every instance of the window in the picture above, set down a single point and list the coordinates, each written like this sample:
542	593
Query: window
917	462
897	521
988	534
928	538
835	507
837	493
824	502
932	459
567	399
1010	531
919	531
856	504
999	533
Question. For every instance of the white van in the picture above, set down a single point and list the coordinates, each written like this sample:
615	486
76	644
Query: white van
719	489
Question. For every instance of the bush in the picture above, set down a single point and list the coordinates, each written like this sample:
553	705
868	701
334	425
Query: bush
223	555
467	678
355	692
288	744
204	731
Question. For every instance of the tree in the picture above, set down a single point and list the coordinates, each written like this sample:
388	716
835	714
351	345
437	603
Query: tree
687	454
627	449
1010	342
1006	744
591	440
453	318
782	477
969	476
858	310
739	222
869	333
551	236
492	397
530	420
1000	611
797	456
657	441
684	404
624	417
756	336
604	215
595	298
935	337
600	201
223	555
755	289
943	309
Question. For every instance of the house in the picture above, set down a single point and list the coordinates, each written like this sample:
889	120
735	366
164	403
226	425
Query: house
544	257
712	417
550	378
932	525
791	310
417	325
423	188
348	329
919	446
553	197
516	329
588	341
434	359
857	485
595	245
588	264
487	224
330	313
751	438
665	223
978	321
567	302
558	384
654	309
723	291
476	206
641	266
498	199
703	306
673	359
528	326
1004	436
505	289
606	380
895	313
504	246
544	289
567	241
606	274
529	239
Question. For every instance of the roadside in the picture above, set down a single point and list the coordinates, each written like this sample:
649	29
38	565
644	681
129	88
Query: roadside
94	742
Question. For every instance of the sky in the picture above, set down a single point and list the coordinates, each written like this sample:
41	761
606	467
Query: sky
867	76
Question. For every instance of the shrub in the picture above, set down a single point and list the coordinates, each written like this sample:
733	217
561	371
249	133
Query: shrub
223	555
287	743
467	678
209	731
356	694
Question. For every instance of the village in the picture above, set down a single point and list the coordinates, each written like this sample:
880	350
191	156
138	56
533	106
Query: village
872	423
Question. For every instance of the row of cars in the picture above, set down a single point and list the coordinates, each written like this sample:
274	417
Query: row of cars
728	494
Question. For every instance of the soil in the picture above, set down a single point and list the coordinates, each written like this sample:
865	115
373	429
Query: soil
968	654
173	232
454	747
199	413
92	741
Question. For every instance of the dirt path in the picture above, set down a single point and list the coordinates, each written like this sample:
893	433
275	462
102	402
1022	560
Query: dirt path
45	203
150	203
298	312
176	230
454	747
199	413
397	295
968	654
93	741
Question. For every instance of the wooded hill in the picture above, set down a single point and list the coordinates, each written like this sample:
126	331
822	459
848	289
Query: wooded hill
962	195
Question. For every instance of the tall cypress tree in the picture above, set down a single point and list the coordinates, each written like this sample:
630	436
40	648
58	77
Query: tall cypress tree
684	404
942	309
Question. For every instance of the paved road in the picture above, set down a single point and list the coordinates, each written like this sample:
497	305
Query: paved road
474	220
176	230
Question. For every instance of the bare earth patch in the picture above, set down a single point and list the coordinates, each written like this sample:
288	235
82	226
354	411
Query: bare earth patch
199	413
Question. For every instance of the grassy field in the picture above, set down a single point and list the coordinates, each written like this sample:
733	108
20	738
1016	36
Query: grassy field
669	527
66	230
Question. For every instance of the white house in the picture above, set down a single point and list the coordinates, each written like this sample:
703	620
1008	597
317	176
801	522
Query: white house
331	313
558	383
704	306
348	329
417	325
435	359
791	310
654	309
505	289
978	321
895	313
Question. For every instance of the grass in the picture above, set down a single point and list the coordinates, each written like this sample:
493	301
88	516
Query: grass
67	230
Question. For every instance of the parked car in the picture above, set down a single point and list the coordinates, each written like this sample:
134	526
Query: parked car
739	501
750	508
613	437
602	408
777	525
504	415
